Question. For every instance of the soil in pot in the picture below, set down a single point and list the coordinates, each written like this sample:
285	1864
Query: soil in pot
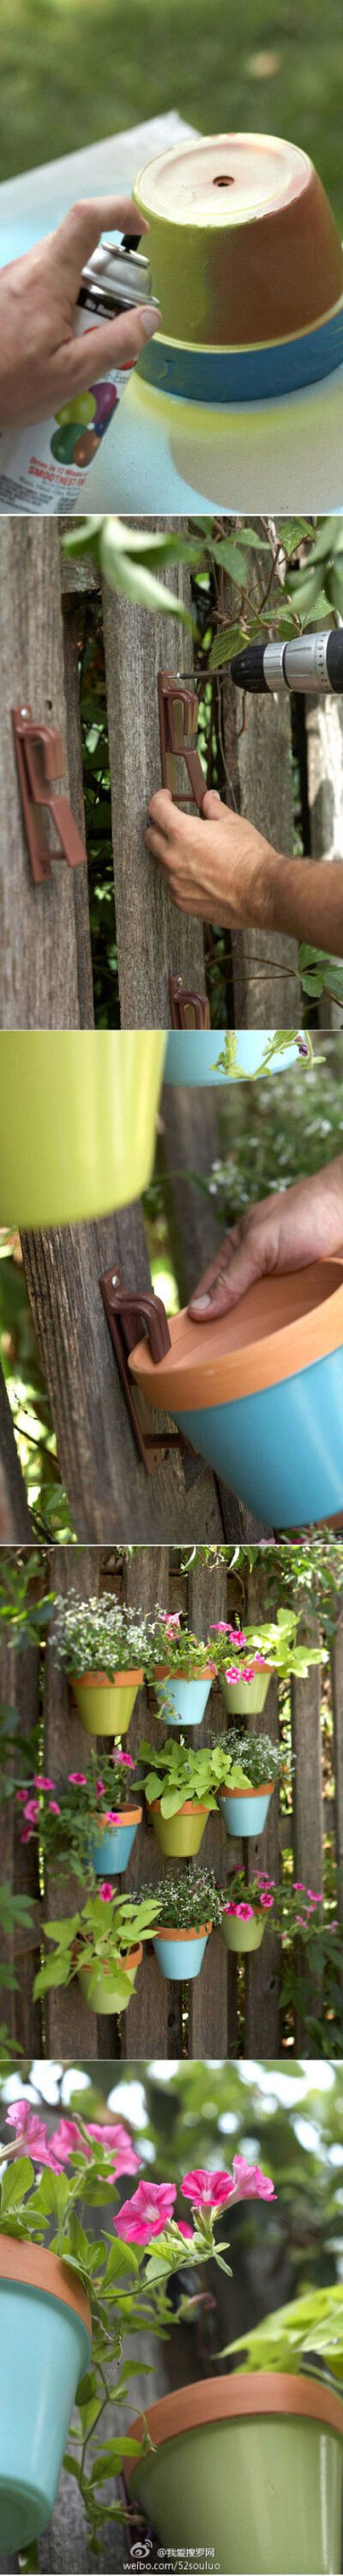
106	1706
249	2467
45	2346
180	1954
179	1836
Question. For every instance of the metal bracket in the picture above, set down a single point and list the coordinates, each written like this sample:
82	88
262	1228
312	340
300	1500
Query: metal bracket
40	758
125	1311
178	720
187	1010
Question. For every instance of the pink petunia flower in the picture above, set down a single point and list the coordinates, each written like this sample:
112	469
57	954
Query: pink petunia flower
184	2229
31	1811
212	2191
250	2182
41	1780
114	2137
147	2214
233	1674
77	1779
110	1817
106	1890
298	1887
31	2133
21	1795
245	1911
100	1788
265	1899
54	1809
27	1836
315	1900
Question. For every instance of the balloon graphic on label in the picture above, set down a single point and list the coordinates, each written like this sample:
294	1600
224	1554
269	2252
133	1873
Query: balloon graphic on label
63	444
82	407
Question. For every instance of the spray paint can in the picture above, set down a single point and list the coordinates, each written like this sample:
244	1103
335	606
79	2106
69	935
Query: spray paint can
45	468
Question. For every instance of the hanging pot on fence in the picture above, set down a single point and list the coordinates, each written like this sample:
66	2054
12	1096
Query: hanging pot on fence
246	1699
45	2346
106	1706
102	1995
245	1810
77	1122
259	1392
248	2467
179	1836
192	1055
243	1935
110	1851
180	1954
182	1698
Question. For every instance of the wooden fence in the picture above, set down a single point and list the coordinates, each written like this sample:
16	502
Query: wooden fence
161	2018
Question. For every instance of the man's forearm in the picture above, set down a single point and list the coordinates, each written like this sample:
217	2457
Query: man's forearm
302	897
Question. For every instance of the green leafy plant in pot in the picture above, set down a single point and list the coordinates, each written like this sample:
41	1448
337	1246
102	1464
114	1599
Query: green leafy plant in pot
246	1658
179	1793
102	1946
101	1646
189	1905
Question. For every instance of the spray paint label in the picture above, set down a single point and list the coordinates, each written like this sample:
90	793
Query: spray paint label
45	468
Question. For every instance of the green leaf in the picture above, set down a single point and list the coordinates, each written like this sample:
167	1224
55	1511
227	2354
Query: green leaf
15	2182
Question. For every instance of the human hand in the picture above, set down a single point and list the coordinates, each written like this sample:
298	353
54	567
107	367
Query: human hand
304	1223
42	361
215	864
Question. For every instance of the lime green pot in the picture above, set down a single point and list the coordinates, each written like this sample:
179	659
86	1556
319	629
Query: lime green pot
246	1699
102	1997
77	1122
106	1707
250	2468
240	1935
179	1836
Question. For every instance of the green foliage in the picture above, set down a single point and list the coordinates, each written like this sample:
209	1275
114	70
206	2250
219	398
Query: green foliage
227	1063
253	1756
98	1938
129	559
290	2339
99	1635
272	1641
173	1772
26	1620
72	1815
283	1129
189	1899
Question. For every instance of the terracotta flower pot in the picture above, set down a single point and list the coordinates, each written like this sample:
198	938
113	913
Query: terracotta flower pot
106	1706
192	1055
77	1122
182	1697
259	1392
45	2346
110	1851
179	1836
180	1954
102	1997
241	1935
245	1810
247	266
246	1699
248	2467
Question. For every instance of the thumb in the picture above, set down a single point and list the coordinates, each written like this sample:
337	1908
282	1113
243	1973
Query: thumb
212	805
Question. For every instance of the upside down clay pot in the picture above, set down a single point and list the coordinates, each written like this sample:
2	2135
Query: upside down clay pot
192	1055
102	1997
179	1836
181	1701
110	1850
77	1122
106	1707
247	266
245	1810
45	2346
239	1935
180	1954
248	2467
246	1699
259	1392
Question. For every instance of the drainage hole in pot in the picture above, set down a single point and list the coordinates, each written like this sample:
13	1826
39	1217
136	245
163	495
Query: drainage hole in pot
223	182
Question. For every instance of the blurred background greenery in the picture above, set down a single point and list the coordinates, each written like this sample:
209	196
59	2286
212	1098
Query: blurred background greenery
72	71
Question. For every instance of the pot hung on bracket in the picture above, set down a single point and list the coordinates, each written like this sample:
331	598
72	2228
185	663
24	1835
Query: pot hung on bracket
45	2346
245	1810
249	2467
180	1954
110	1851
182	1700
259	1393
106	1706
78	1114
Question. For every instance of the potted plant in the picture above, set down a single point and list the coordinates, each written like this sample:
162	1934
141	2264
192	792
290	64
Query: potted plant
182	1671
220	1055
86	1823
257	1391
179	1793
102	1946
246	1658
188	1907
244	1915
246	1768
77	1122
53	2294
251	2465
101	1646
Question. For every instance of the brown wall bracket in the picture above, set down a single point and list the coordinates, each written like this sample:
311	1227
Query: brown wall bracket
125	1311
178	720
40	758
188	1010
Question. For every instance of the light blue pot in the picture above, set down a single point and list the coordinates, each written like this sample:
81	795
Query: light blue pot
44	2350
243	1815
180	1958
110	1853
192	1054
182	1703
200	374
282	1449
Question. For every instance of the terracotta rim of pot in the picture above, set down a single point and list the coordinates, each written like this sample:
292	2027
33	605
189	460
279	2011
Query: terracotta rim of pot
103	1681
281	1325
184	1673
35	2267
108	1967
214	2401
190	1807
126	1816
265	1791
167	1932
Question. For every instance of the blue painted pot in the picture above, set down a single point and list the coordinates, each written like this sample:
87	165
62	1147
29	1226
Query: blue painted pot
192	1055
45	2346
245	1812
183	1703
259	1393
190	372
110	1852
180	1954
